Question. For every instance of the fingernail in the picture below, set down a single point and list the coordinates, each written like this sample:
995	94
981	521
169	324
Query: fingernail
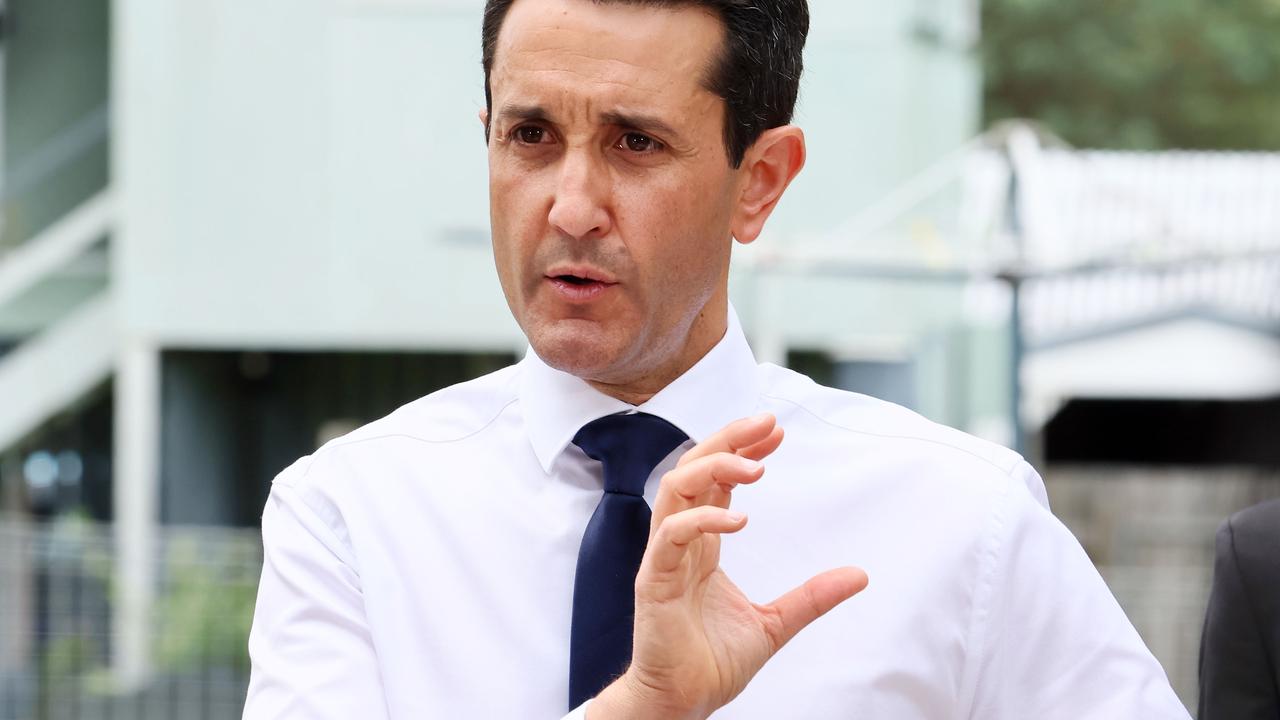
749	465
735	516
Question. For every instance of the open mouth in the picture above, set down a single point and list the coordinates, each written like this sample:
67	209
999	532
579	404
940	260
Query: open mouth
579	288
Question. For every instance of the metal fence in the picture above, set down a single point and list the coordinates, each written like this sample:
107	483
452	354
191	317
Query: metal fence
1151	531
55	623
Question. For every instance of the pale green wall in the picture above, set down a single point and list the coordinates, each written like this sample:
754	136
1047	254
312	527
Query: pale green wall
55	94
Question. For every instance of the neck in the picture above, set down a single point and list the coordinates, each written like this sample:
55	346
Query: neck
707	330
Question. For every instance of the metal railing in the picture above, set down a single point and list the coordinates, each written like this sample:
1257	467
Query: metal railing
56	594
1150	531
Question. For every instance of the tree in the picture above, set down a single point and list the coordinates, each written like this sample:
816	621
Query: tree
1137	74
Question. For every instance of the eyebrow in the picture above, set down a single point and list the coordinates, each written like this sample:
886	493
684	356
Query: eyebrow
643	123
640	122
522	112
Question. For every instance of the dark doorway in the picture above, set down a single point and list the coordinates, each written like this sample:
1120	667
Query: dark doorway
1166	432
233	420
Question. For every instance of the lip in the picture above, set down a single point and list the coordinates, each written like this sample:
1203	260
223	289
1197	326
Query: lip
585	272
579	293
596	285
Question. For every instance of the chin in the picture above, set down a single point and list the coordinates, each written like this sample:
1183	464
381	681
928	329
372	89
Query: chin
580	348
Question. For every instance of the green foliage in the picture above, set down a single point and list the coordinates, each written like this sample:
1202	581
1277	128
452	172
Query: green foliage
206	583
1137	74
204	616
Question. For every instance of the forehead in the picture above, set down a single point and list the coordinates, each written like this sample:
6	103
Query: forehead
608	53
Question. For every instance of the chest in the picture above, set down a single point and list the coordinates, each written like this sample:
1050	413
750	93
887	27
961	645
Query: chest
476	594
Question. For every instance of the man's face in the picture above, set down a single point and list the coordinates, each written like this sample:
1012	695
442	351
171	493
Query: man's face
611	194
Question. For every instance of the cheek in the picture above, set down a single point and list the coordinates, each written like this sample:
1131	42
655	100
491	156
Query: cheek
682	245
514	220
506	238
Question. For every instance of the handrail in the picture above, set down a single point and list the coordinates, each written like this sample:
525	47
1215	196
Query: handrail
73	233
57	152
45	374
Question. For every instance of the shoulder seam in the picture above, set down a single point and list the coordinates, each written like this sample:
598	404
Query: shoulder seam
1006	471
384	436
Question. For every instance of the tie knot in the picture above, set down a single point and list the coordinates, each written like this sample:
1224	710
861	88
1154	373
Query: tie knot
630	445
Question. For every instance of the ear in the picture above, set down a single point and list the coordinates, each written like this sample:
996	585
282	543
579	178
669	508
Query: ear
484	122
767	169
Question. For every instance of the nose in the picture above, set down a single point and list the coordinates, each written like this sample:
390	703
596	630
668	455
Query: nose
580	209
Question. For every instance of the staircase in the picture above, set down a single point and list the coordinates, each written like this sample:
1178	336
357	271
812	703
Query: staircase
56	305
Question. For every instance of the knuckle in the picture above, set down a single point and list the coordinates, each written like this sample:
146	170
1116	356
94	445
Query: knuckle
674	481
669	526
707	518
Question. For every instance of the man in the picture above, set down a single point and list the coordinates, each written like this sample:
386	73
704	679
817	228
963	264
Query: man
459	558
1240	648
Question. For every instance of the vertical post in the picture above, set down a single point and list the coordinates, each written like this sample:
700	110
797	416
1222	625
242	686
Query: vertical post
1021	150
136	518
1017	346
5	22
769	341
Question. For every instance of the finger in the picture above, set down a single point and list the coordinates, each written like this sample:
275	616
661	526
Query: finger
764	448
704	481
670	543
733	437
721	495
801	606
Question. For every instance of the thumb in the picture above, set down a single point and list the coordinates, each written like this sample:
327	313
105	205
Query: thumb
801	606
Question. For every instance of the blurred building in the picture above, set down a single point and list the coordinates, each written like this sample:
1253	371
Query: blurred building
1151	321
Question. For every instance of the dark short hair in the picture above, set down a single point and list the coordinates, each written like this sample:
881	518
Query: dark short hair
757	72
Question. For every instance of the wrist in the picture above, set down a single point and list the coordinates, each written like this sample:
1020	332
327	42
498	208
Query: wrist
629	699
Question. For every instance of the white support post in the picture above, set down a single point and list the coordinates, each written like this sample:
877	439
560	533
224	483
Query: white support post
769	340
136	516
6	21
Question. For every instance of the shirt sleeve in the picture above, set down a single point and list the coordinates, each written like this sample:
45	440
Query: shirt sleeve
311	651
1049	640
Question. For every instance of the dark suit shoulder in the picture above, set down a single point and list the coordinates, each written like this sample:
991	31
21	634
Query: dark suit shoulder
1252	537
1239	675
1254	541
1260	523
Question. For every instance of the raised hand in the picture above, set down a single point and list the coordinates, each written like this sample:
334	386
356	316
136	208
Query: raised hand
698	640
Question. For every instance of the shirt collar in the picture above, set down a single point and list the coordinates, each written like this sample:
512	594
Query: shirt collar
717	390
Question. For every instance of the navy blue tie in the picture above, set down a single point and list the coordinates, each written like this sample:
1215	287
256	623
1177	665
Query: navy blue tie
630	446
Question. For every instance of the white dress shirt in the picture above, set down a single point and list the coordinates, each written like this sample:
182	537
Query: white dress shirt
423	566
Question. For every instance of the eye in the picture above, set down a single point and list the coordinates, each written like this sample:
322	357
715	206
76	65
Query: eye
639	143
530	134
